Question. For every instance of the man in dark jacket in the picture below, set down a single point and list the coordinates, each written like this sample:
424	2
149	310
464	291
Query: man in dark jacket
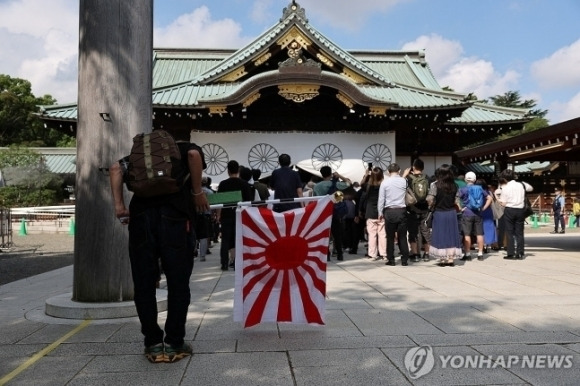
160	227
227	216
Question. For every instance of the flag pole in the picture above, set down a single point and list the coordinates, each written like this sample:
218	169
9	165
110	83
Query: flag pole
265	202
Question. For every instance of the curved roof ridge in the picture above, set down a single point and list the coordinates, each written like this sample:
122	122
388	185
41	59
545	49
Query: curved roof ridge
297	18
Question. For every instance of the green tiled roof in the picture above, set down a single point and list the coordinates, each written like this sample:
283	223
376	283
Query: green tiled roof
248	52
483	113
524	168
190	78
406	68
60	160
65	112
61	163
172	67
188	94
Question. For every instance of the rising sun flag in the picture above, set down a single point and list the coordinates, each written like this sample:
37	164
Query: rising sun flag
281	264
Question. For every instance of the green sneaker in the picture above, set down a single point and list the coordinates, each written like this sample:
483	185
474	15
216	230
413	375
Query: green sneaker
155	353
175	353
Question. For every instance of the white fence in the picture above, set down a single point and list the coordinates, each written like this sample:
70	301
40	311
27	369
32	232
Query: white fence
43	219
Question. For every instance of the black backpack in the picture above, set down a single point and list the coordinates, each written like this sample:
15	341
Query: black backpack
155	166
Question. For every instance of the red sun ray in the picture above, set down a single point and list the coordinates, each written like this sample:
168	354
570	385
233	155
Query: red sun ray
257	309
310	309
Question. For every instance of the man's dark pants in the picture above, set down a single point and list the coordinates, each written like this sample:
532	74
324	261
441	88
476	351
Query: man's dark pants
416	226
396	222
228	229
514	219
336	229
161	233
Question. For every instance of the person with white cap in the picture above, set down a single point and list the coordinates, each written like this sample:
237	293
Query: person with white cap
472	200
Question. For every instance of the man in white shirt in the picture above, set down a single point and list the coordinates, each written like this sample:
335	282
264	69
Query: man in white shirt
512	197
392	208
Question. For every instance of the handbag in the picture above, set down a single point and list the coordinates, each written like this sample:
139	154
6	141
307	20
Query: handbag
410	198
528	211
497	209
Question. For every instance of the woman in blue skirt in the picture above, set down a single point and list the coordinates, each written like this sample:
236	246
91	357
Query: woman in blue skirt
489	228
445	238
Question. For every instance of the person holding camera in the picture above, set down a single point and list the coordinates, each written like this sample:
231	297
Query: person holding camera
321	189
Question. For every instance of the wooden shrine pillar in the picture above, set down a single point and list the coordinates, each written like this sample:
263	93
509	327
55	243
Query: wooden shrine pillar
114	104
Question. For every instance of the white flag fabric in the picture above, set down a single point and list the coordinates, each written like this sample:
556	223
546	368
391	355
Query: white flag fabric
281	264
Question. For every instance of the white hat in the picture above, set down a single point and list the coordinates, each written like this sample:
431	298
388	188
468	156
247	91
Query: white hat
470	176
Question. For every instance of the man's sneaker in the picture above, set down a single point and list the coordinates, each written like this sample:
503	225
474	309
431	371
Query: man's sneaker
175	353
480	256
466	257
155	353
426	257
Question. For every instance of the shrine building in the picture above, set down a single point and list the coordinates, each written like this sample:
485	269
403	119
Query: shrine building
293	90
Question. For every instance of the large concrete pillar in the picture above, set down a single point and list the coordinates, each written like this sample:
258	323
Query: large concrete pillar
114	104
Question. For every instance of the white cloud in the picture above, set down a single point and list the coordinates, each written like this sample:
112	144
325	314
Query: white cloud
563	111
440	53
479	77
346	13
198	30
40	44
561	69
462	74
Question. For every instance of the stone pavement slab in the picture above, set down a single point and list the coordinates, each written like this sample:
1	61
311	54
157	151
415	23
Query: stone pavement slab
379	321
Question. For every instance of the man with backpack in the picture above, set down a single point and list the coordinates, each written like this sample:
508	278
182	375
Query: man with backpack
473	200
418	212
165	177
331	182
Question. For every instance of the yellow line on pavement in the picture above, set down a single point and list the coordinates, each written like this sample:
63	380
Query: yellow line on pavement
7	378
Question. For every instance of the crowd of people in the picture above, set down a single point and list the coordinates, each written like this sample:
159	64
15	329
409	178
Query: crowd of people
451	216
396	212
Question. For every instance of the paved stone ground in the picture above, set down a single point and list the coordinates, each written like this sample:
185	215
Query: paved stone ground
34	254
38	253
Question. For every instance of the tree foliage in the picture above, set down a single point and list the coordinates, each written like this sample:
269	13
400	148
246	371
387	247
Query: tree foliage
28	179
19	123
514	99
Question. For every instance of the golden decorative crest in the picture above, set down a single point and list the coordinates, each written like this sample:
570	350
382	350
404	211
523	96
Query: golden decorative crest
377	110
294	35
324	60
251	99
344	99
298	92
353	76
234	75
218	109
262	59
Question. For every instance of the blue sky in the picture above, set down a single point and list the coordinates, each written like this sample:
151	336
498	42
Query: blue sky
486	47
